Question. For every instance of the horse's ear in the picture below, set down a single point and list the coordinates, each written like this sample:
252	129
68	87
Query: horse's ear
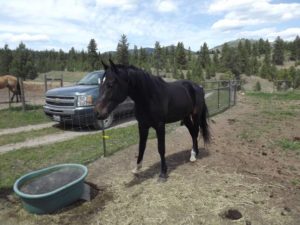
113	66
104	65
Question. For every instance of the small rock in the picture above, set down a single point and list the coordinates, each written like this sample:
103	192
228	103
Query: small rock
287	209
264	153
283	213
232	214
248	222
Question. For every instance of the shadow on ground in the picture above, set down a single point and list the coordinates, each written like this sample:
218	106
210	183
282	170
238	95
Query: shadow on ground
173	161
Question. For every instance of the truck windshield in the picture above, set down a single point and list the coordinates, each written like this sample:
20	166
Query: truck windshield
90	79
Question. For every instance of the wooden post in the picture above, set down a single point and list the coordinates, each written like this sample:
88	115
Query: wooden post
229	93
22	94
9	102
103	139
218	94
45	82
61	80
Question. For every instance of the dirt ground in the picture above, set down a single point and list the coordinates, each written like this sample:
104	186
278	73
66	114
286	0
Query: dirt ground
242	177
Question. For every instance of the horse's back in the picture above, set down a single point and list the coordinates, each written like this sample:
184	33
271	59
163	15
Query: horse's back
180	102
8	81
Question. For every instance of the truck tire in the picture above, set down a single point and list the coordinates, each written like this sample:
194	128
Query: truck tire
99	125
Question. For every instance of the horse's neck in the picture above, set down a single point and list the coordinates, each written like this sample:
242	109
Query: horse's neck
140	90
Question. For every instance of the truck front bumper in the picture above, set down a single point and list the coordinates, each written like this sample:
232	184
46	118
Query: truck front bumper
77	116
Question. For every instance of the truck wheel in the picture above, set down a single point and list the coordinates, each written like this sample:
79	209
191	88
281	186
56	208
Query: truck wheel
103	124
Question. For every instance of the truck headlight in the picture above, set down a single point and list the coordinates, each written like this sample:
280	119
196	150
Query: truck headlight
84	100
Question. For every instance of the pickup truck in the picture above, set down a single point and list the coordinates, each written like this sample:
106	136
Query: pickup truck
75	104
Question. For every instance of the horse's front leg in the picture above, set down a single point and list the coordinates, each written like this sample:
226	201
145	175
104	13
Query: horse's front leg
160	133
143	133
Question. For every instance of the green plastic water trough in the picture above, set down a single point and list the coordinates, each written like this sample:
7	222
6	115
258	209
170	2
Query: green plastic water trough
35	200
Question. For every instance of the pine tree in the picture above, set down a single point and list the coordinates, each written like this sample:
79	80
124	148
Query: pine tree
216	59
225	56
267	48
22	64
295	49
261	46
181	56
5	60
255	49
157	57
71	63
254	65
197	72
143	58
278	54
189	55
92	54
204	56
122	51
243	57
135	56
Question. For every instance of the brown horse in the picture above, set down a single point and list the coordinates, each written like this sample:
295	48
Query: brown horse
12	84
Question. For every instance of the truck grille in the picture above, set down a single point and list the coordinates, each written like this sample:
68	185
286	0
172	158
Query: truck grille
60	101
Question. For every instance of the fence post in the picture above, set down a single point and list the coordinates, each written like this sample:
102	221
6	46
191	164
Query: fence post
235	90
22	93
229	93
218	94
45	82
103	139
61	80
9	102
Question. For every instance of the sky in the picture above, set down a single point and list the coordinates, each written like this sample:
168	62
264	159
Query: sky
62	24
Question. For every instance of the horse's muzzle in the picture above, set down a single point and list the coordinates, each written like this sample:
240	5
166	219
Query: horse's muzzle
101	111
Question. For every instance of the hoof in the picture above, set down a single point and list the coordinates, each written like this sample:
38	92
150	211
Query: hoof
137	169
193	156
162	178
193	159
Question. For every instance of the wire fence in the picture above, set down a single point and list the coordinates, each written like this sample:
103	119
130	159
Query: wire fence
220	95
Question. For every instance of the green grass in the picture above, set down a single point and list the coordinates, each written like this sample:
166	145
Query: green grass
23	136
84	150
287	144
71	77
15	117
289	95
279	114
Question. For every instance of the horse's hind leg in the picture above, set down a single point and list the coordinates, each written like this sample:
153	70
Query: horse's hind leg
143	132
193	128
160	134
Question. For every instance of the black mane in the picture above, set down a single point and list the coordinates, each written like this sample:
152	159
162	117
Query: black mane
149	86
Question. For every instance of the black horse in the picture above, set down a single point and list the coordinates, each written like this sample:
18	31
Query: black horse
156	103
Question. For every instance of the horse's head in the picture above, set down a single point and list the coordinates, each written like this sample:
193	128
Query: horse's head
113	89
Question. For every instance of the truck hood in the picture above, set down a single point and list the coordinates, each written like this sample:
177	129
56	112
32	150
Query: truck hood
73	90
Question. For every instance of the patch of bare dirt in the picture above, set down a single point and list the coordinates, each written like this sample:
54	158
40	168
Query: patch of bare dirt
243	177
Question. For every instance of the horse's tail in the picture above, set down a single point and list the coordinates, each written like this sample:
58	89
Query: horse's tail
204	127
202	112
